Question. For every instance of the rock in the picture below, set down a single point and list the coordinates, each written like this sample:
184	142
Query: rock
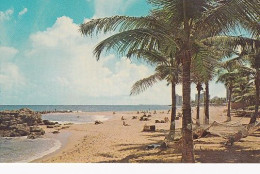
50	126
98	122
34	136
37	130
21	122
56	132
47	122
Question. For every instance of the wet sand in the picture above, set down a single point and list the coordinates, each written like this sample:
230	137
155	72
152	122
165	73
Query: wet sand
114	142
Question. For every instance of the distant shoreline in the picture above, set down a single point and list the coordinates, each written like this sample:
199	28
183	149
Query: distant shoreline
85	108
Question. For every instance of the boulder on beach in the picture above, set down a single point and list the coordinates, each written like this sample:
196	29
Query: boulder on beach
47	122
56	132
98	122
23	122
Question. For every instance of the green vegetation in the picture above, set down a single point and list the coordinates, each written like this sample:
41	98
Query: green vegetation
187	32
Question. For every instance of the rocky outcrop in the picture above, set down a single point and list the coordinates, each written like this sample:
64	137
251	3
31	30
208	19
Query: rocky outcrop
23	122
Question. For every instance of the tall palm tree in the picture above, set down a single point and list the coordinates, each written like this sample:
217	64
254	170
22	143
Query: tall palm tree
202	69
198	19
254	72
166	69
244	90
228	74
181	23
247	51
206	103
199	89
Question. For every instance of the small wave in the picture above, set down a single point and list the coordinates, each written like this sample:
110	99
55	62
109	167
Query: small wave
57	145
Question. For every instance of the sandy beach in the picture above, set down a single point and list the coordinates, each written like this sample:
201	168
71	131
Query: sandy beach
114	142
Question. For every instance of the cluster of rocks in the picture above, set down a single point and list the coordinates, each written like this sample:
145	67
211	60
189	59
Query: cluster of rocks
23	122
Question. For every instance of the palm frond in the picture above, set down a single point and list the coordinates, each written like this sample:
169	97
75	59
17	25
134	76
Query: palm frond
132	39
121	23
228	14
233	42
151	56
143	84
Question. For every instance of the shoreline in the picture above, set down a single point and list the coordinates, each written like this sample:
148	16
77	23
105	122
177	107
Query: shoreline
56	147
113	141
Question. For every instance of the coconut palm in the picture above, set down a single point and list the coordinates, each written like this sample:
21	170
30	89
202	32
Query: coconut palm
254	72
199	89
244	90
181	23
166	69
228	74
246	51
199	19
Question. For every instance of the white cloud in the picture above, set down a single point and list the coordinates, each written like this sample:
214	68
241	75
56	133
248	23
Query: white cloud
10	75
61	65
6	15
25	10
7	53
59	68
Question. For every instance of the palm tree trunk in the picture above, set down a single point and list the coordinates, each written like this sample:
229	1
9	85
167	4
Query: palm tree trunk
229	105
206	121
257	84
198	104
187	139
173	113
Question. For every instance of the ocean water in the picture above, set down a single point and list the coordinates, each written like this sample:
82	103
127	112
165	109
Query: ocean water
87	108
76	118
21	149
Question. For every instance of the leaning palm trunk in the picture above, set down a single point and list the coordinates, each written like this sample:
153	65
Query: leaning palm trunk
187	139
198	104
173	113
229	105
206	107
257	84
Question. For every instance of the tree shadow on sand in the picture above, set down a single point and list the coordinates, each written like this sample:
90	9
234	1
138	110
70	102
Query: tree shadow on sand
214	151
139	153
240	152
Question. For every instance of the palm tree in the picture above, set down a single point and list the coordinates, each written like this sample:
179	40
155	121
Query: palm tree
247	52
228	74
166	69
206	103
181	23
244	90
198	19
202	72
254	72
199	89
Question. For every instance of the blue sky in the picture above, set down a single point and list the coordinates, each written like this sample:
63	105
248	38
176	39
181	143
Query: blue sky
45	60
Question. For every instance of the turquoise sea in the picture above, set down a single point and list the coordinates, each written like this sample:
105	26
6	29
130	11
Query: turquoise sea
21	149
87	108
